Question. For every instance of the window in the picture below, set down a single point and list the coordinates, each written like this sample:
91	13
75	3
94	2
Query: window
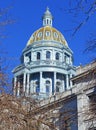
58	86
38	55
47	54
58	83
66	58
40	34
28	56
57	89
44	22
47	33
55	35
37	86
37	89
48	82
47	86
47	89
47	21
57	56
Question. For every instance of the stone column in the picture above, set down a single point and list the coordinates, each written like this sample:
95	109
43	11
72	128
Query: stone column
54	82
14	86
18	88
64	58
82	106
53	55
24	83
27	89
70	81
63	83
31	55
41	85
67	81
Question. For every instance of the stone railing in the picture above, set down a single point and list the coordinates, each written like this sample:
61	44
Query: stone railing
49	63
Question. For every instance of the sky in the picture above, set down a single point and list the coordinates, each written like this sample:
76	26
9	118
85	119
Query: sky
28	18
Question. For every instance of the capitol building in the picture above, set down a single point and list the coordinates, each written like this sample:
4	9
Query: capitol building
46	63
47	74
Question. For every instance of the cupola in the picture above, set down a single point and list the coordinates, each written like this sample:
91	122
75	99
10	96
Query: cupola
47	18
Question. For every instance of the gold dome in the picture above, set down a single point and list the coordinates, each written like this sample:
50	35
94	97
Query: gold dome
47	33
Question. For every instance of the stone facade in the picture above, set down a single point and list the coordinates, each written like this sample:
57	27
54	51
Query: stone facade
77	103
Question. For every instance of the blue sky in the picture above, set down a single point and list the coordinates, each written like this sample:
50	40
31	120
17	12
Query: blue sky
28	16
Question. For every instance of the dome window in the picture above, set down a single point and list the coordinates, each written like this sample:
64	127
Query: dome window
47	33
38	55
28	57
57	56
40	34
48	54
55	35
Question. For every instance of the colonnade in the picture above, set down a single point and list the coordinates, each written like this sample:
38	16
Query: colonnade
27	86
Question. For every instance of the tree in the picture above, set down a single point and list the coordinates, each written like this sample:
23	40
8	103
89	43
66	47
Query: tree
4	21
86	9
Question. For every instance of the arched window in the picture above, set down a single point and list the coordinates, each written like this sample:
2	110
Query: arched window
55	35
47	82
47	33
47	86
48	54
38	55
40	34
57	89
57	56
47	89
37	87
28	56
58	86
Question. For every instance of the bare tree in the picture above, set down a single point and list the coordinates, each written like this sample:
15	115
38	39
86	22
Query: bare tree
5	20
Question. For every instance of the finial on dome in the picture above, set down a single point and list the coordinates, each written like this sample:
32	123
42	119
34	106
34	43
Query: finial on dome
47	18
47	8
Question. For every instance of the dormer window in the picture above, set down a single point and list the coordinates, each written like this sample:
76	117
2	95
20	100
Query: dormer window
47	33
55	35
40	34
